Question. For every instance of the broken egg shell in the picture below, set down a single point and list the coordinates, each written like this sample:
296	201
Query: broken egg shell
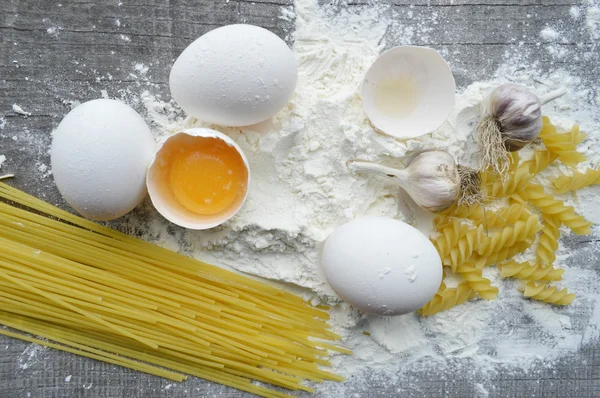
435	90
162	196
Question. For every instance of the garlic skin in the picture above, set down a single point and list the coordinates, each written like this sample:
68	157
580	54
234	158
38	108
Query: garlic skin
518	113
431	178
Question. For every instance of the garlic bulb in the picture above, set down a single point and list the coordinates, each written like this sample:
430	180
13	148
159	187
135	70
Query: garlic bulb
511	117
431	178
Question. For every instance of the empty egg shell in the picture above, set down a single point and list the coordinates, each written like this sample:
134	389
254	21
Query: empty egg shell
198	178
408	91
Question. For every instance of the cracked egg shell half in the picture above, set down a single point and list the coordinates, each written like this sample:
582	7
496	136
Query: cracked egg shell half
199	178
408	91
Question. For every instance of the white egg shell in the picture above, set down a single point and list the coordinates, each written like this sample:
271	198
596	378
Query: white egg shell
158	182
434	87
100	153
381	265
235	75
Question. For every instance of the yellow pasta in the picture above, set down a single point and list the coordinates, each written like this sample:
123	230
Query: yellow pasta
503	254
563	145
556	208
99	293
548	241
540	161
528	271
448	298
508	236
548	294
577	180
501	188
464	247
474	278
450	235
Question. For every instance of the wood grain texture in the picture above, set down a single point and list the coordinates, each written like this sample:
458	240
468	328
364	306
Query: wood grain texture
53	54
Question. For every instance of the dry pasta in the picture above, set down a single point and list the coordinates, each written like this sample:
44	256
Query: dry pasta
556	208
501	188
540	161
577	180
548	241
448	298
564	145
474	278
508	236
464	248
548	294
102	294
528	271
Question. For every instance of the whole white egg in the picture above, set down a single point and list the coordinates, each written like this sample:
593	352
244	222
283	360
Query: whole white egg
381	265
235	75
100	153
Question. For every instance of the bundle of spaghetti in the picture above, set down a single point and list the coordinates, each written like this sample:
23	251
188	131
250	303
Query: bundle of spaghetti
99	293
576	181
564	145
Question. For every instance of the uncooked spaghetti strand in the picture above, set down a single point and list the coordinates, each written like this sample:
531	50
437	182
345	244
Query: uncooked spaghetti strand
156	371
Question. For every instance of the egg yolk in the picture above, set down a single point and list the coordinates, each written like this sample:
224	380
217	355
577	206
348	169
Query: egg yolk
208	176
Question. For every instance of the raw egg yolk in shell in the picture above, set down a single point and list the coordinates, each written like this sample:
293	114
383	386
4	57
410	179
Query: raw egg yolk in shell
208	176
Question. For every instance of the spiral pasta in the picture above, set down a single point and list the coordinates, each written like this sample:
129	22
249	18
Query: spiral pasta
549	205
528	271
508	236
464	247
577	180
563	145
506	252
501	188
540	161
548	241
476	281
548	294
449	236
448	298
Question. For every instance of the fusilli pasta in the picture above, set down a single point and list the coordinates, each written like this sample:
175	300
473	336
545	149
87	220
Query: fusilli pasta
476	281
501	188
508	236
464	247
549	294
448	298
528	271
506	252
564	145
540	161
549	205
548	241
577	180
449	236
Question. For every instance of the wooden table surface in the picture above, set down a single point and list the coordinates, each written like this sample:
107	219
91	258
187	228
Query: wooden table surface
53	53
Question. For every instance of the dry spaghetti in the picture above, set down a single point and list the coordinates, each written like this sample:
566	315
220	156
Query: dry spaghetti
99	293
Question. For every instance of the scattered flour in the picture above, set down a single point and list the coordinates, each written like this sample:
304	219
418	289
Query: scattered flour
31	356
68	379
17	109
592	19
549	34
2	160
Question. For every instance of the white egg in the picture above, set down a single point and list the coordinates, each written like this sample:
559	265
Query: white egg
235	75
381	265
100	153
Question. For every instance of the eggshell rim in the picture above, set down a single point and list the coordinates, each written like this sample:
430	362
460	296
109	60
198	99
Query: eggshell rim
207	133
367	110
